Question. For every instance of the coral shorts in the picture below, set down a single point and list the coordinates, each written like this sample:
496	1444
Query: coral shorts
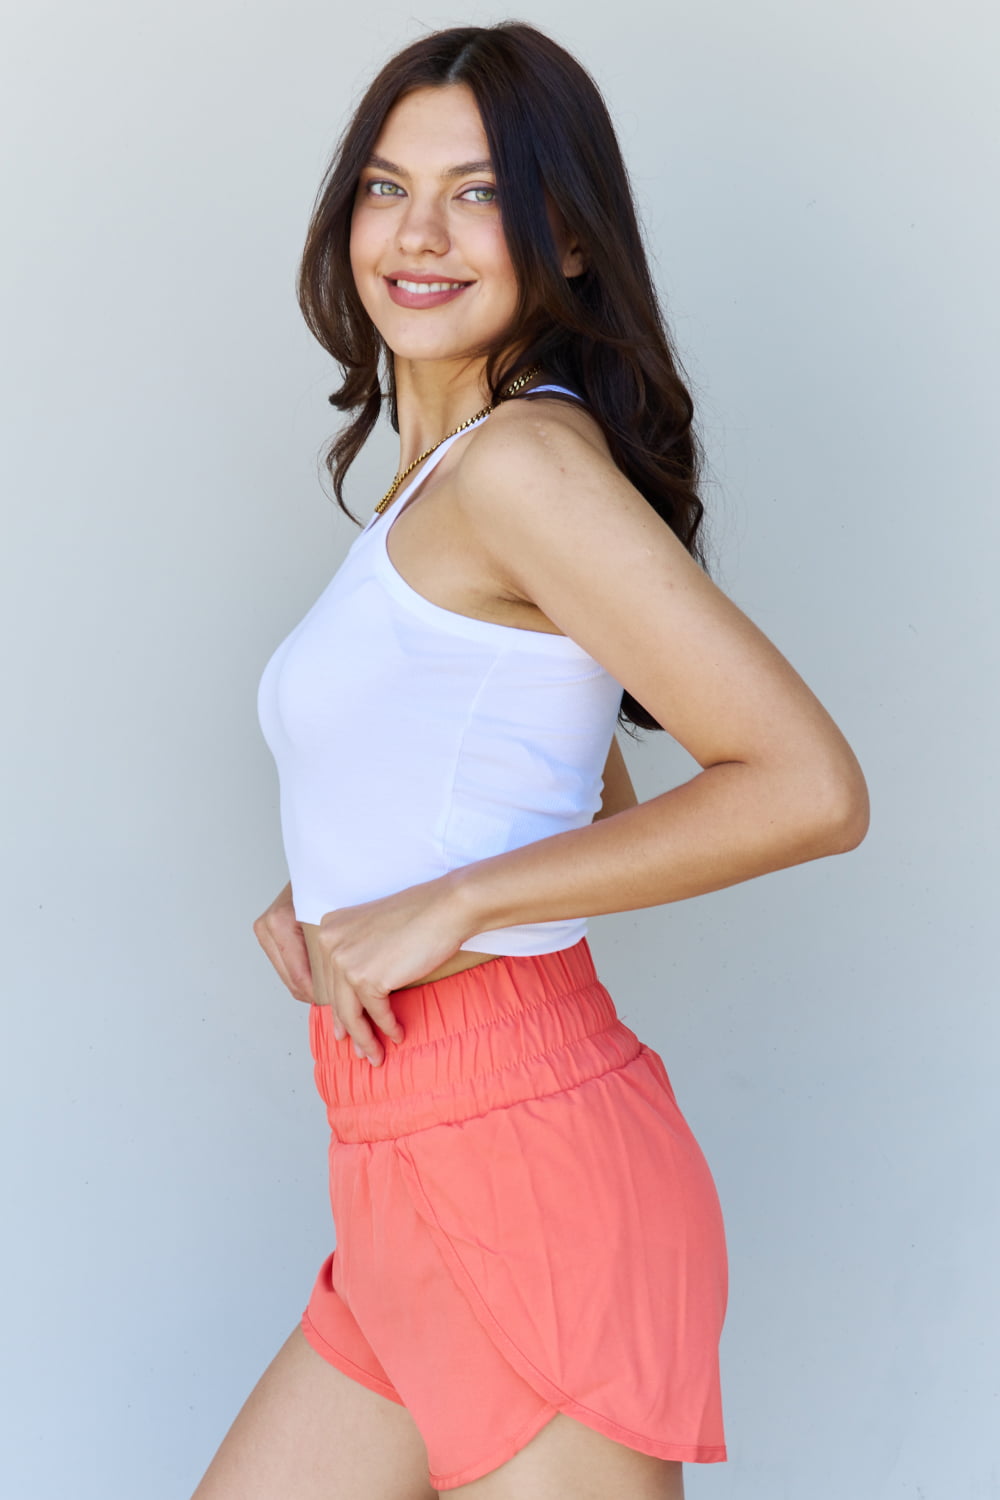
525	1223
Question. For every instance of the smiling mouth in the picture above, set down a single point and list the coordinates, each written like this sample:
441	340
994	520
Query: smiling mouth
421	288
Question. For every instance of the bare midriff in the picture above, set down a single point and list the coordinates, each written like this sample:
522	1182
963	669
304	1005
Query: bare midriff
465	959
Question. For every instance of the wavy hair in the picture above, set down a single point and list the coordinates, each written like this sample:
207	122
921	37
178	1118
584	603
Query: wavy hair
602	332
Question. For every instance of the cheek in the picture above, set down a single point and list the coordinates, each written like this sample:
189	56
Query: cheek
365	256
366	236
357	245
497	256
362	263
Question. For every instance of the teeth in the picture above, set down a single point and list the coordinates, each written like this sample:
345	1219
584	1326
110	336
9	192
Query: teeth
429	286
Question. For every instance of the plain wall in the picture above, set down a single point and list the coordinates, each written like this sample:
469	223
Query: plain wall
818	189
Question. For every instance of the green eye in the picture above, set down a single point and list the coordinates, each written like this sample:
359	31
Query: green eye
393	190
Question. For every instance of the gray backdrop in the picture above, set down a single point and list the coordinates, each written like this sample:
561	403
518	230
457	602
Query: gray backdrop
818	187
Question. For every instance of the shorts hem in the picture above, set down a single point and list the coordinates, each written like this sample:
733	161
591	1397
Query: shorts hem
675	1452
346	1366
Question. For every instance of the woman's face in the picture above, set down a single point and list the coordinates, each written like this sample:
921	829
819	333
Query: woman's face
433	214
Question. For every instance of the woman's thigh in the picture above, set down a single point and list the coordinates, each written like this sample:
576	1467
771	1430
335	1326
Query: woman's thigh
568	1458
309	1432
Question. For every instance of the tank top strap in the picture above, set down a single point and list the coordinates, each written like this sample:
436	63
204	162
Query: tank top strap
565	390
435	458
402	499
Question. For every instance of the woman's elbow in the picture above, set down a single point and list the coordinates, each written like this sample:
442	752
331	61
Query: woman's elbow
845	809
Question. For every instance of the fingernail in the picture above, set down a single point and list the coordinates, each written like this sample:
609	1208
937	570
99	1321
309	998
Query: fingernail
358	1049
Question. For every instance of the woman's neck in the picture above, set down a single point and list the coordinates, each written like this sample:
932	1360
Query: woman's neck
433	397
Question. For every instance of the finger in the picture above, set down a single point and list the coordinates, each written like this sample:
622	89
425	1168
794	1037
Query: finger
292	946
366	1043
382	1014
290	938
350	1007
270	947
347	1007
276	954
282	938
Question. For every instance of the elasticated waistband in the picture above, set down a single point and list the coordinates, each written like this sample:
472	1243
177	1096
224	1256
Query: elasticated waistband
506	1030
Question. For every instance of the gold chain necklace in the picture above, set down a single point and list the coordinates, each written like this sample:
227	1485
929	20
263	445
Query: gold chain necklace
514	386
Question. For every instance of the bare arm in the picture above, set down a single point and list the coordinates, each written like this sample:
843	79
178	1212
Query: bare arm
779	783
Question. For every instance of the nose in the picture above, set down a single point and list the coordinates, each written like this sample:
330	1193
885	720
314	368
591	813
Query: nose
422	227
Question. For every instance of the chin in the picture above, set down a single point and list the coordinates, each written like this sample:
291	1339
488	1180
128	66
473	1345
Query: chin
423	351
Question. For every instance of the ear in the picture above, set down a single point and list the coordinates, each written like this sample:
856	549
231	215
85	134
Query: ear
572	256
574	260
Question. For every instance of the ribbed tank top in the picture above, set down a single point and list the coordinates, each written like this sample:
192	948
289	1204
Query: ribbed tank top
410	739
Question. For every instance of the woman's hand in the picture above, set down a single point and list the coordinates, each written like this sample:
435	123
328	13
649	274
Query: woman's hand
366	951
282	939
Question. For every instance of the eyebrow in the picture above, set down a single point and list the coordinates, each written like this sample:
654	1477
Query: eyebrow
463	170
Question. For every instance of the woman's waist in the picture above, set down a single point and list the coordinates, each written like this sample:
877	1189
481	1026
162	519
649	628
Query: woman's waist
499	1033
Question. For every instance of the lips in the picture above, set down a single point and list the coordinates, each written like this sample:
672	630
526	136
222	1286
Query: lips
406	295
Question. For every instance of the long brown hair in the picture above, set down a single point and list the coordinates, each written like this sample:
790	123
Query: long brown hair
603	332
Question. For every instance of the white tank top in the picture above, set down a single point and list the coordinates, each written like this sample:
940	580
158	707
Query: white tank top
410	739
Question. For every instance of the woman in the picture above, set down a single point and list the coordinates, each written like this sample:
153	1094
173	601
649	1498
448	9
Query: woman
530	1277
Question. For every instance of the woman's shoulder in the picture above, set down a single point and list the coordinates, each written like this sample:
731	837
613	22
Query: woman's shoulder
536	471
543	433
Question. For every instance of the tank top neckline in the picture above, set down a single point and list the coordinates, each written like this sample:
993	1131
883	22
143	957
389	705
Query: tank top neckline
487	631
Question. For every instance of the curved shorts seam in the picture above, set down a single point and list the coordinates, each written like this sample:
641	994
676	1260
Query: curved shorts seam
499	1455
504	1335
